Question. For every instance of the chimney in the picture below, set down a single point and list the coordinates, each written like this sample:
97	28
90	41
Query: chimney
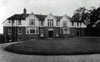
24	12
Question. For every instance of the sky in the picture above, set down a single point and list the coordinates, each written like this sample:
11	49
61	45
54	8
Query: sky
56	7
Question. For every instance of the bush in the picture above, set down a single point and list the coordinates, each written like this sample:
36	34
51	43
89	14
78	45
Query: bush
2	39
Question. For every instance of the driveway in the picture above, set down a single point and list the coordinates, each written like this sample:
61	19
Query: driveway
12	57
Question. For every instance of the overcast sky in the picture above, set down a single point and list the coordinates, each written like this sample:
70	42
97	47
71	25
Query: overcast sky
56	7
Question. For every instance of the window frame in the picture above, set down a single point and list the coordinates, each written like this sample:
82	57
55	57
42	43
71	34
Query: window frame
19	31
64	23
28	30
31	21
50	22
19	22
32	29
9	31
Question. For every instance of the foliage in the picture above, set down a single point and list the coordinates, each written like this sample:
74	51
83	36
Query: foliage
90	17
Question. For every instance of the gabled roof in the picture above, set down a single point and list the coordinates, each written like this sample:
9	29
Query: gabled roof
58	18
39	16
18	17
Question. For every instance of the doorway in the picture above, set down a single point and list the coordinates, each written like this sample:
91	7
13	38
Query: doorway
50	34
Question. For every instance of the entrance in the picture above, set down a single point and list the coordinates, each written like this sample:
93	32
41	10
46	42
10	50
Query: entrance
78	33
50	34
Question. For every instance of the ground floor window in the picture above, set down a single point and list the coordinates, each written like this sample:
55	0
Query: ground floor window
72	31
32	30
9	31
19	31
65	31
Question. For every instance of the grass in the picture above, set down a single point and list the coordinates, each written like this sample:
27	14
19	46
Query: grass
73	46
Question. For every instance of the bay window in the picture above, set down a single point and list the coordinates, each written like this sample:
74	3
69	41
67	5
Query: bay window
32	31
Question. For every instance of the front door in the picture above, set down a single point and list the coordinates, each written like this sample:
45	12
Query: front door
50	34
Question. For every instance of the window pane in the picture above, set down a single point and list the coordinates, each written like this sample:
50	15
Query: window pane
36	30
32	31
9	31
19	31
64	23
32	21
50	22
19	22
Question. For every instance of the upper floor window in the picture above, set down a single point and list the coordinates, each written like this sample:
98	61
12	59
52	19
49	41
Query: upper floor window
9	21
27	31
32	22
72	23
50	22
57	23
64	23
77	24
19	22
9	31
41	23
19	31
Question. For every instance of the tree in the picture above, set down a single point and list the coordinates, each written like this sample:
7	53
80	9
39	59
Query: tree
78	13
90	17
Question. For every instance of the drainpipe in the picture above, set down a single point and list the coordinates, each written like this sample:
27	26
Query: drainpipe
12	31
16	30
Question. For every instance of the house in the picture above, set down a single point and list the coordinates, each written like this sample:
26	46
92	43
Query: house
36	26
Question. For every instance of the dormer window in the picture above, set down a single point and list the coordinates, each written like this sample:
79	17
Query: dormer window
32	22
50	22
64	23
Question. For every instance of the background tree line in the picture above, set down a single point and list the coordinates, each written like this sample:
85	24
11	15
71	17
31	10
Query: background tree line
90	17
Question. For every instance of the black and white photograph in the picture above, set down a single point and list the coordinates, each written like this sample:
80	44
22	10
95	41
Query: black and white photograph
49	30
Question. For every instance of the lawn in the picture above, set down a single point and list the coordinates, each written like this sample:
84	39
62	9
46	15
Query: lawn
72	46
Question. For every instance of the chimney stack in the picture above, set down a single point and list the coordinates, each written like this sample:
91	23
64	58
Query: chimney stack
24	12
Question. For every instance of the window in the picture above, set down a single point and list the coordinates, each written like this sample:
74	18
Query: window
9	21
19	22
65	31
27	31
64	23
19	31
36	31
32	31
72	31
57	23
9	31
72	23
50	22
32	22
77	24
41	23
